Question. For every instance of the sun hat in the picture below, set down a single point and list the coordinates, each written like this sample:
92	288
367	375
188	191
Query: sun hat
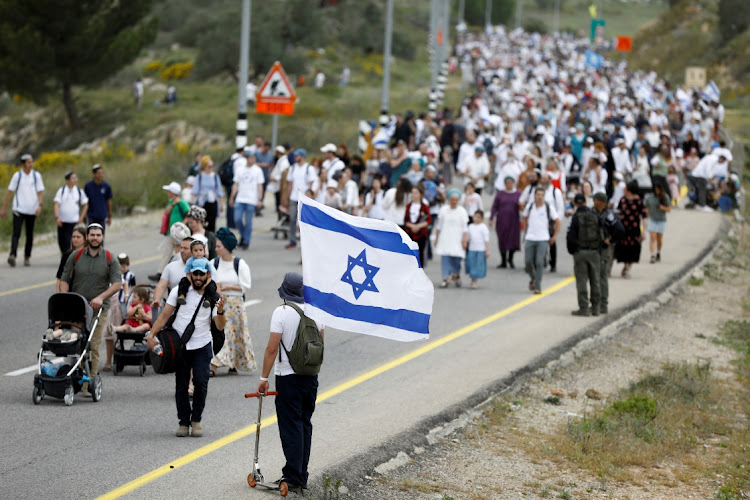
292	288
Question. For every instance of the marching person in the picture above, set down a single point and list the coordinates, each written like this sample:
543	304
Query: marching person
71	204
176	211
584	242
542	225
613	231
93	273
99	194
26	188
196	356
295	402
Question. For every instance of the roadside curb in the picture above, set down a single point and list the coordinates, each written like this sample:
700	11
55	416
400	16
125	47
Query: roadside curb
396	451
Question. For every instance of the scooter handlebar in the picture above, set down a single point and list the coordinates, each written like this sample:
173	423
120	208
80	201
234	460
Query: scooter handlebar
260	394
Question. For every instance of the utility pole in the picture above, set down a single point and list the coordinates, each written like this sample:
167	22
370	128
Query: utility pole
433	50
444	28
519	12
487	14
241	137
387	62
556	21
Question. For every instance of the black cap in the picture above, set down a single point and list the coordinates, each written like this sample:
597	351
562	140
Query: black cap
579	199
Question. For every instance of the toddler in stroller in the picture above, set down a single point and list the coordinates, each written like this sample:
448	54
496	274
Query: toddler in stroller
71	324
134	328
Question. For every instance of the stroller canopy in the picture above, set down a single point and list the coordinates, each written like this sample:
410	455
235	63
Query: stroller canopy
70	307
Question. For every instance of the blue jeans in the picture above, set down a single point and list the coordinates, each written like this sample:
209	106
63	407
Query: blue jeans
199	361
535	252
243	218
295	404
293	223
450	266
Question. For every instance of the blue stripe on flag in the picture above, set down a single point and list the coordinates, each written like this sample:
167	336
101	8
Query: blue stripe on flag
397	318
383	240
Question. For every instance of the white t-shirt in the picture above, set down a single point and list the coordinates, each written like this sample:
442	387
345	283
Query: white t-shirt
71	201
333	166
537	227
479	235
301	176
202	334
601	186
285	321
376	210
26	186
248	179
173	272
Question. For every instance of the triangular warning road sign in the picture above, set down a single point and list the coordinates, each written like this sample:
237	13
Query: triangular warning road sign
276	87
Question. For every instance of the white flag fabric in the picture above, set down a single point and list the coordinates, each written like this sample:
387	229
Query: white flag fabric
384	134
362	275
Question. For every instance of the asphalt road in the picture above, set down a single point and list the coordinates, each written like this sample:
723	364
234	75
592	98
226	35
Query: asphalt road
371	389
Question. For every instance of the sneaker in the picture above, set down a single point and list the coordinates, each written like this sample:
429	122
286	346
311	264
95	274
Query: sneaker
27	262
511	264
12	260
292	487
653	259
603	309
181	300
182	431
154	277
595	312
707	209
658	257
85	390
196	429
581	312
553	269
502	265
290	246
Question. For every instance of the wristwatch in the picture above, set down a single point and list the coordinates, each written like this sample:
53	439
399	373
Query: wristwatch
220	313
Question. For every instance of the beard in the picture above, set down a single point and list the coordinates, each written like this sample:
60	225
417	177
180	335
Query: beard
198	284
94	245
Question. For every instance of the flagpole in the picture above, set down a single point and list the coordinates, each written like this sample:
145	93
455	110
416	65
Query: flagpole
387	61
241	126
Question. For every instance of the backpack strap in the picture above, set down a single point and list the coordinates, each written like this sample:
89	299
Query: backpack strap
281	341
237	265
179	208
216	263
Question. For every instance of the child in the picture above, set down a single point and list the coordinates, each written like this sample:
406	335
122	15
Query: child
198	249
128	281
332	197
479	248
471	201
138	314
673	180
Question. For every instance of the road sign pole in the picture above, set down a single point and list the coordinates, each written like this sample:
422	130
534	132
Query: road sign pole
241	137
387	60
275	132
487	14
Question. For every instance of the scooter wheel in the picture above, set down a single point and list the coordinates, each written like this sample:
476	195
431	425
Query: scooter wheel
251	480
283	489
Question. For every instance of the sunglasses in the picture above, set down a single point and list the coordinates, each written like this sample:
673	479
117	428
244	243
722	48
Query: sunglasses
198	274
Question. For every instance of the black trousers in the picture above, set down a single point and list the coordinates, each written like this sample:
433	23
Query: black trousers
19	221
65	235
212	211
295	404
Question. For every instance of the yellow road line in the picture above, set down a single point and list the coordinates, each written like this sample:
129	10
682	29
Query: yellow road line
246	431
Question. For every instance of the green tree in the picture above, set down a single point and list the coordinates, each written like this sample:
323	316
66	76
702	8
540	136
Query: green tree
734	18
48	47
502	11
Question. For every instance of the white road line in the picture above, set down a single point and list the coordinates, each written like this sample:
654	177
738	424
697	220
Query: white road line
55	361
252	302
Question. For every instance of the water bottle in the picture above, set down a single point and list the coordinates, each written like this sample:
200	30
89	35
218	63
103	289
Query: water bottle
49	368
158	350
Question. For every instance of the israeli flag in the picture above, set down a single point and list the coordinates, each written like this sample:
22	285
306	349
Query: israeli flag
362	275
384	134
712	92
593	59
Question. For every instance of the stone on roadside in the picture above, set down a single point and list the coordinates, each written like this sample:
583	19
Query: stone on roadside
573	394
594	394
557	392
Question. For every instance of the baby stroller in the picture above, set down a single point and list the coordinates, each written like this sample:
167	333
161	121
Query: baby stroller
130	347
73	322
281	226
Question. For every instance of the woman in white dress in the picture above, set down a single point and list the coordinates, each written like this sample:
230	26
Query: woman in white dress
233	282
451	238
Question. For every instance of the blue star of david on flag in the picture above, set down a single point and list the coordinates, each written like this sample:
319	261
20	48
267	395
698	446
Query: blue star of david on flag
370	272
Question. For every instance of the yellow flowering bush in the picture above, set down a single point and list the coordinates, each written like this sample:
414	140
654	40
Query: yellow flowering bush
373	63
177	71
154	66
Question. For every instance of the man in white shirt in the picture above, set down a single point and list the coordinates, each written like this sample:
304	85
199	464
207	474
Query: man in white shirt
537	218
71	204
246	196
596	175
332	163
278	172
475	168
511	168
28	188
697	181
295	401
196	356
555	198
621	157
300	178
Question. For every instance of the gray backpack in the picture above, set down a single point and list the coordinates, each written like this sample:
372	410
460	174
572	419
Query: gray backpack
306	354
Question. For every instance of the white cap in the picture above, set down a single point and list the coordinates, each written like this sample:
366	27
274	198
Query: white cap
280	149
190	180
173	188
200	237
332	184
329	148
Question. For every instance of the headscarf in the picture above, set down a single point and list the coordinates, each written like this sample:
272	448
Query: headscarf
227	239
197	213
451	192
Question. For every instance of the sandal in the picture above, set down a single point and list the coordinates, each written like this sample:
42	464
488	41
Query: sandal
232	371
532	284
211	373
106	368
191	388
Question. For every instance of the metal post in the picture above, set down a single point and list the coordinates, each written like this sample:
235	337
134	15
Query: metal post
519	12
487	14
556	21
275	132
241	137
444	23
461	11
432	47
387	59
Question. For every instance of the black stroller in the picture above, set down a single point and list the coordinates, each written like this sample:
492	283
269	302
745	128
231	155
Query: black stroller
71	323
130	347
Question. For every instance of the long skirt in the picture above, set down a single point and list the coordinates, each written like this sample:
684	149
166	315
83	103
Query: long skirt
237	352
476	264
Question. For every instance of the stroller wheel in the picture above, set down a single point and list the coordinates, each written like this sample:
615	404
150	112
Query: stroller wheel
68	396
96	388
37	395
142	369
116	368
